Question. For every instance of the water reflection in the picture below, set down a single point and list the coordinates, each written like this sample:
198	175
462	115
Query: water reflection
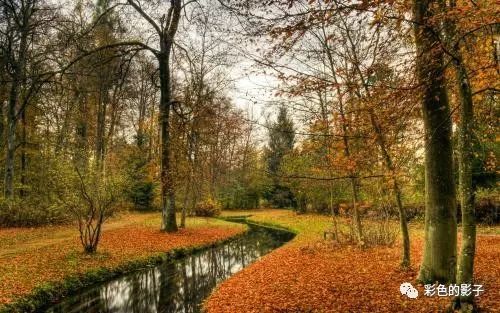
178	286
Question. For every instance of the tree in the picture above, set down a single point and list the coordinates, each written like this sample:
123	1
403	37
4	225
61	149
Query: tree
165	30
91	199
379	72
111	70
465	274
458	36
440	250
281	142
206	112
20	28
144	97
345	74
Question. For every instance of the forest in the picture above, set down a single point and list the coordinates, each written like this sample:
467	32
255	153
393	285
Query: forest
249	156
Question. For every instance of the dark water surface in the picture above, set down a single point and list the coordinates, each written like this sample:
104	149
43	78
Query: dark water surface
176	286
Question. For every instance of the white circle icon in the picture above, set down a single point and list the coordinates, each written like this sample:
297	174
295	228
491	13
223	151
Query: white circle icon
408	290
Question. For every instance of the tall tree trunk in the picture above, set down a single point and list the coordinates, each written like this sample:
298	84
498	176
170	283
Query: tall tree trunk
24	138
11	142
169	222
465	273
11	136
405	262
100	149
354	180
17	80
389	164
356	215
81	134
12	123
440	250
2	121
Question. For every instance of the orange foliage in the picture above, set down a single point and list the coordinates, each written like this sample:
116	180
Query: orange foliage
36	263
312	276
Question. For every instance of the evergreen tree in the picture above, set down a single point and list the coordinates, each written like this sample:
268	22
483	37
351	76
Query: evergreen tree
281	141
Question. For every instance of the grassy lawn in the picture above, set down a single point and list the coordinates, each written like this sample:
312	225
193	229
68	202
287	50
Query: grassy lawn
33	257
313	275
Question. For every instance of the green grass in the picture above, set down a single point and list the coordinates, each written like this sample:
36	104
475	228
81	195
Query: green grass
312	226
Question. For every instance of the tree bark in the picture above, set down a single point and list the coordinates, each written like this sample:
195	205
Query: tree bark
12	120
24	161
11	141
381	141
81	134
465	273
405	261
354	184
23	21
169	222
166	31
100	148
10	153
354	181
440	251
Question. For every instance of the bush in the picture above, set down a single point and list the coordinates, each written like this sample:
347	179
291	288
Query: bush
18	213
381	233
40	205
487	211
141	194
413	211
91	199
207	208
281	197
140	186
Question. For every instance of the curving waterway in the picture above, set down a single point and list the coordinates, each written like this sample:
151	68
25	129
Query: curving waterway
176	286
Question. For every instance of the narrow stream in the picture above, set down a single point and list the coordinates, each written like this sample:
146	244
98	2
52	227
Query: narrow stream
176	286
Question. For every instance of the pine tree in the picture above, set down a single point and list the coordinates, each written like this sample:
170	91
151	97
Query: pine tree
281	142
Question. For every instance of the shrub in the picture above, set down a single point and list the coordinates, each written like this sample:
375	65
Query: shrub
378	233
381	233
140	186
281	197
141	193
91	199
207	208
24	213
487	211
39	206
